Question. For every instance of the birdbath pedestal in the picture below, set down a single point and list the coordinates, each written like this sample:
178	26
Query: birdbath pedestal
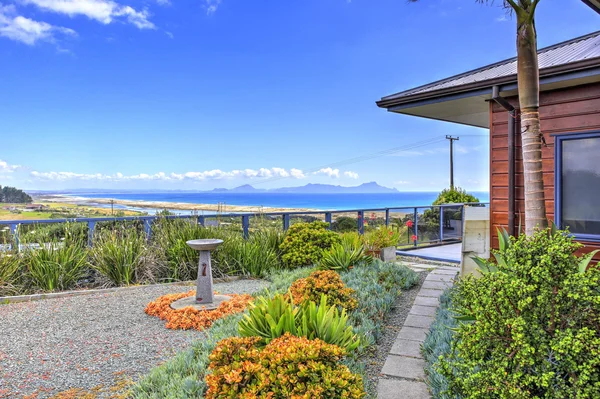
204	298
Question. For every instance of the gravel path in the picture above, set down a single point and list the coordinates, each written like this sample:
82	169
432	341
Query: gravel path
88	341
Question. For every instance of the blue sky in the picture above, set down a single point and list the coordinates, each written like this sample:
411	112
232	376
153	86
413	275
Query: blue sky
218	93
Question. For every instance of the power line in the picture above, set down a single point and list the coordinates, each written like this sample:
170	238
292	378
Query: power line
363	158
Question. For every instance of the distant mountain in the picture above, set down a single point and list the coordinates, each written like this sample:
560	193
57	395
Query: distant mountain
365	188
245	189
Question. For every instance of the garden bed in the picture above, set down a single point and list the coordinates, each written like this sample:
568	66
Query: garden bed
89	341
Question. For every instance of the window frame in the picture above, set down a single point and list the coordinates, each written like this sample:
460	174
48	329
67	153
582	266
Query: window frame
558	142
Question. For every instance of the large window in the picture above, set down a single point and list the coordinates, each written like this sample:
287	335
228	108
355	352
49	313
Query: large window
578	184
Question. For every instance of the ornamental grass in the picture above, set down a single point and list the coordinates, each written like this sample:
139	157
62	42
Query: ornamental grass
190	318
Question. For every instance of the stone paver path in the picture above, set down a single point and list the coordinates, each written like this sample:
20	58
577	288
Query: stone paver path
402	374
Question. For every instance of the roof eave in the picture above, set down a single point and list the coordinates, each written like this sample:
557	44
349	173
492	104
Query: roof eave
594	4
387	102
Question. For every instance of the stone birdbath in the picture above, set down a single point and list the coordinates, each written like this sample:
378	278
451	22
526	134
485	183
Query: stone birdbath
204	298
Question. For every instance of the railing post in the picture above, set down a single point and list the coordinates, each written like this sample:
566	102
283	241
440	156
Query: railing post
361	222
14	230
246	225
387	217
148	228
416	226
91	227
201	220
328	219
441	224
286	222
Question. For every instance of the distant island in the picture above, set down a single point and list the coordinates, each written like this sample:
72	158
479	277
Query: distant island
365	188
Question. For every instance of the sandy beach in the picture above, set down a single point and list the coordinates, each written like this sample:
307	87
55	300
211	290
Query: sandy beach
182	206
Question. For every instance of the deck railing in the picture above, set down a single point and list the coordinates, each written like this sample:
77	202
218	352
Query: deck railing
448	216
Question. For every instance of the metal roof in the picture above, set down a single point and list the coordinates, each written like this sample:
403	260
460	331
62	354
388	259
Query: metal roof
572	51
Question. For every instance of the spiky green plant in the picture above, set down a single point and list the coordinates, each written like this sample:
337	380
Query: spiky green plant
118	255
10	265
55	266
341	257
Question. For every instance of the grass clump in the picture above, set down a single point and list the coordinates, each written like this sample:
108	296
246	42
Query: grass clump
10	265
119	255
54	266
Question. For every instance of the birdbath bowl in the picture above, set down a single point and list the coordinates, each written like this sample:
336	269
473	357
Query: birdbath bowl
205	299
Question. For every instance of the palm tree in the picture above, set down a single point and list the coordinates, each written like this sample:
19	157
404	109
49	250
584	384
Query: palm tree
529	101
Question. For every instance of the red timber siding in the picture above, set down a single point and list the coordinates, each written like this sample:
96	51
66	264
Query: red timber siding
575	109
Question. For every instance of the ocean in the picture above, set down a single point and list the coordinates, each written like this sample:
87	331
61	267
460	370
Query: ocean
287	200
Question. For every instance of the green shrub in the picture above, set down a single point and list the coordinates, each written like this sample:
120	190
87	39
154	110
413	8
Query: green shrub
345	224
531	325
258	256
10	267
305	243
340	257
119	255
454	195
270	318
288	367
54	266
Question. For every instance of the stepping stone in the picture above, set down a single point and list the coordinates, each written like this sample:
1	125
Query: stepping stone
427	301
404	347
418	321
436	285
430	293
413	334
423	310
439	277
395	389
404	367
442	271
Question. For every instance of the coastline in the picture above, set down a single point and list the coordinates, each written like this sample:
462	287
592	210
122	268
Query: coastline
159	205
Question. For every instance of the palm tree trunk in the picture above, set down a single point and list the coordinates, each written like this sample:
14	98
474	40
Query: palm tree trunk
531	136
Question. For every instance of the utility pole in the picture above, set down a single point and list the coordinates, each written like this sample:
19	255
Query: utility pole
452	139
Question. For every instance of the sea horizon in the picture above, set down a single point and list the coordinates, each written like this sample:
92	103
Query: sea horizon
324	201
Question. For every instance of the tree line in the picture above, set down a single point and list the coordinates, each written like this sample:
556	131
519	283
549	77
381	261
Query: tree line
13	195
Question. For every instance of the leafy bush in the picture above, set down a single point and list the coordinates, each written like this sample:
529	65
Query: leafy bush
10	267
530	324
345	224
305	243
340	257
454	195
270	318
439	343
381	237
54	266
288	367
119	255
325	282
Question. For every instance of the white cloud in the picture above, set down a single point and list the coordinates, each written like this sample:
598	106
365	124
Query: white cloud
401	182
5	167
215	174
350	174
104	11
26	30
328	172
164	2
297	173
502	18
211	6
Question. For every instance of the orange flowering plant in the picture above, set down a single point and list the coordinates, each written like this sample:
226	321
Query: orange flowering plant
288	367
188	317
321	282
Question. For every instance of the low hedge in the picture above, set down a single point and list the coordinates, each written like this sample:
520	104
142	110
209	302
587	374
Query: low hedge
377	285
